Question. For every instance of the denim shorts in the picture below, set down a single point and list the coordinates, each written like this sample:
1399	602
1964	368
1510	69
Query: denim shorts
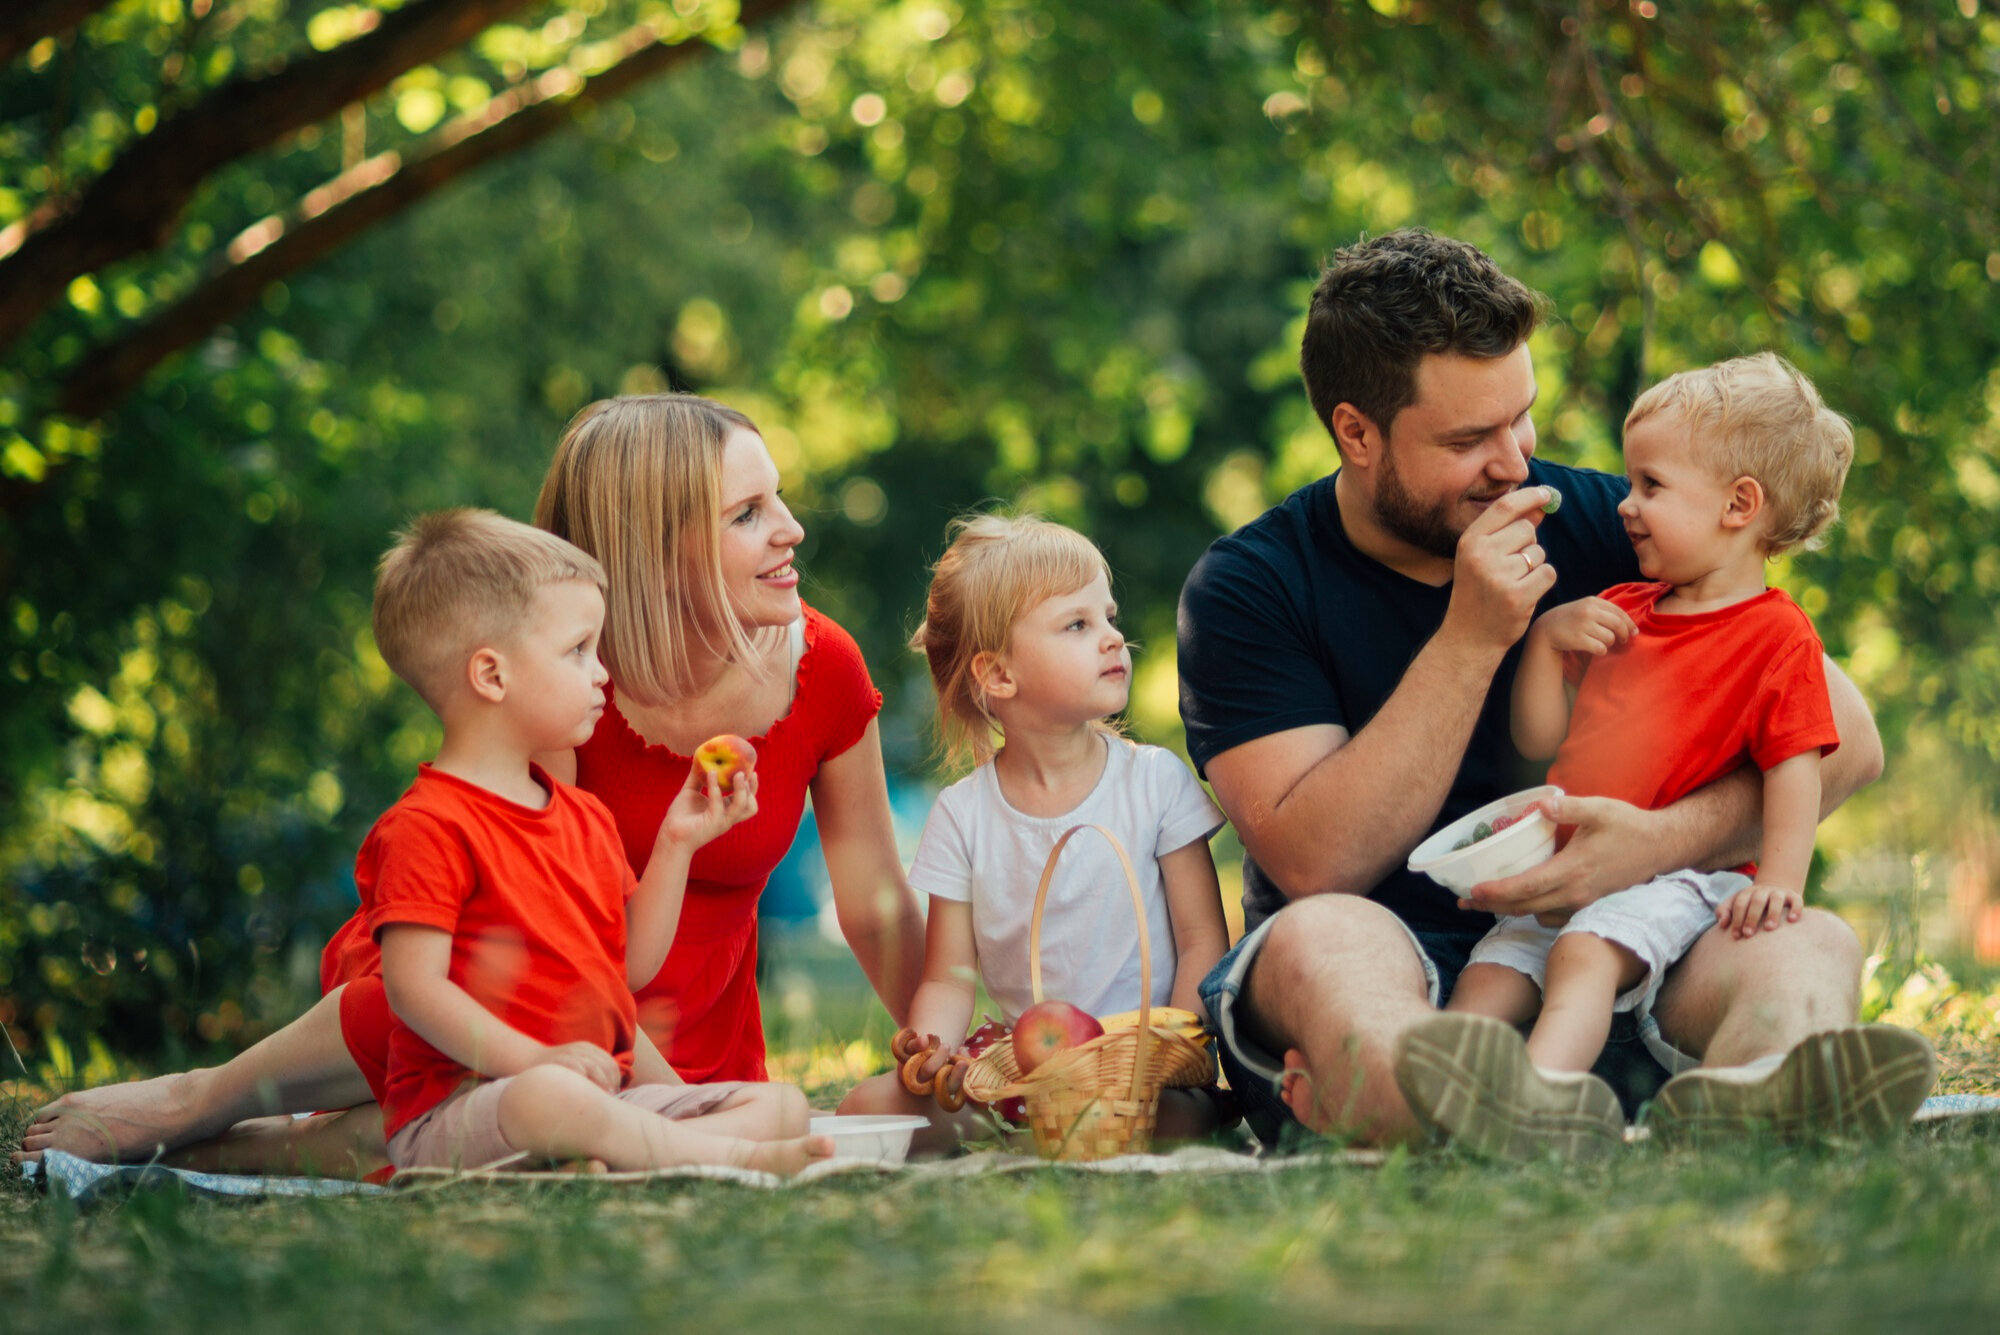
1627	1063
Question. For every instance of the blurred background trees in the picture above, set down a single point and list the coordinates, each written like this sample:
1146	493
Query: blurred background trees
275	274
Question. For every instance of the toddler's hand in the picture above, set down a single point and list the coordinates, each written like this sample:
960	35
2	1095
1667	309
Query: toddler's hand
1587	626
1759	908
701	810
588	1060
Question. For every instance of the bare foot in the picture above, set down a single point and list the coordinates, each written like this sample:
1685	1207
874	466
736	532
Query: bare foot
786	1157
139	1120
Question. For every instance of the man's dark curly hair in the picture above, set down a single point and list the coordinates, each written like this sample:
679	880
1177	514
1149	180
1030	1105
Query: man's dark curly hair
1382	304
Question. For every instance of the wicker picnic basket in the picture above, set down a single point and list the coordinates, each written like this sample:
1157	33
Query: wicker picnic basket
1099	1098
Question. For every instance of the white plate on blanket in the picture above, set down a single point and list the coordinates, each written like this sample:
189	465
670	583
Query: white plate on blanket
878	1139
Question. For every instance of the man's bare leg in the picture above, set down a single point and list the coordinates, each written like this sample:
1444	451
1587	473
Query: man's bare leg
1335	983
303	1067
1772	1017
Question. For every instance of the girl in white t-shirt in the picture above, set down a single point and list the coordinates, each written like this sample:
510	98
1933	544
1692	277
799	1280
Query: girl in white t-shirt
1022	636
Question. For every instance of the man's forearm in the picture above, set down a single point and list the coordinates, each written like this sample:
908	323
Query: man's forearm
1355	814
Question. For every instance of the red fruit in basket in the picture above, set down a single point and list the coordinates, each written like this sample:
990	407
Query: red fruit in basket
1049	1027
723	758
984	1037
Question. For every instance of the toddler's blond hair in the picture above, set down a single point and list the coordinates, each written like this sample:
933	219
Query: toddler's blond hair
1759	417
457	581
996	567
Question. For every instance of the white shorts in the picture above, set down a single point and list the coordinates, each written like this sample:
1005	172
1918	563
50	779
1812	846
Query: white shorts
1659	922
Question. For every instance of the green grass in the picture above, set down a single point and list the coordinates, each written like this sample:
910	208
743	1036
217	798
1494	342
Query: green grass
1749	1238
1898	1238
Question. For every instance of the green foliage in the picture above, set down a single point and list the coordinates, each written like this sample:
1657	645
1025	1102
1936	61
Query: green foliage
945	252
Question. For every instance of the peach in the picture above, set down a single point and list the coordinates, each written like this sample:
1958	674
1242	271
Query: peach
723	758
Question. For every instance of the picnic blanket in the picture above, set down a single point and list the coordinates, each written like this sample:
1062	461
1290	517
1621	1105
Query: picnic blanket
85	1182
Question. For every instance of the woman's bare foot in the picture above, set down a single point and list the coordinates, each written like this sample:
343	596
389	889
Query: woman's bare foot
786	1157
139	1120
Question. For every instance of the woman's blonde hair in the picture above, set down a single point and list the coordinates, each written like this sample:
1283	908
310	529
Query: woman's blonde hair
637	482
995	568
1759	417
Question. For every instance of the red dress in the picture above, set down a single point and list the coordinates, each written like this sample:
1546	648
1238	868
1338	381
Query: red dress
702	1007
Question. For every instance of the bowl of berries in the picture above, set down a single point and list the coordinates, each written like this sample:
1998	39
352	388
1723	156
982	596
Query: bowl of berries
1502	838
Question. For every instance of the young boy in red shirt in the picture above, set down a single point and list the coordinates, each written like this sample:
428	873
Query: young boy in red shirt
500	897
1645	694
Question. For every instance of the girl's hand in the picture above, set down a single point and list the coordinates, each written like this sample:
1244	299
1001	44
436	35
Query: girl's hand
924	1058
1758	908
701	811
1587	626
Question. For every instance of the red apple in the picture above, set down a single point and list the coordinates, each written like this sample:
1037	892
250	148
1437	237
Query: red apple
1048	1027
723	758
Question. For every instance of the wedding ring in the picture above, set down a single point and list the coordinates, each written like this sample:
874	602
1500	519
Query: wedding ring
1529	559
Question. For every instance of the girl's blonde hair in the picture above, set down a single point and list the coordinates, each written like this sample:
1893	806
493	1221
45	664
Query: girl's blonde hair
637	482
1759	417
996	567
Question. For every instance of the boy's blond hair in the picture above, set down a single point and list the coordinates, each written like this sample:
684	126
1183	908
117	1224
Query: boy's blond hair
995	568
637	483
457	581
1759	417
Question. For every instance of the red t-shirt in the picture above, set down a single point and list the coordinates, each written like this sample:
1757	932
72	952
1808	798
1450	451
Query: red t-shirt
702	1008
535	904
1690	698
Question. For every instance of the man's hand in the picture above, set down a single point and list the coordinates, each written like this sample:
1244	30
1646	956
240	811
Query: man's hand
1614	847
1587	626
588	1060
1500	572
1760	907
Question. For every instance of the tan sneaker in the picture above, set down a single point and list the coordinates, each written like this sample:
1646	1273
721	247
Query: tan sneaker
1468	1078
1865	1080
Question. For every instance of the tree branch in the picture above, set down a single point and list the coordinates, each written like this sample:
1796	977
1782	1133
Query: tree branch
134	205
26	22
357	199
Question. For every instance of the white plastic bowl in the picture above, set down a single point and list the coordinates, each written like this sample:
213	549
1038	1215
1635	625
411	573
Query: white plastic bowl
878	1139
1508	852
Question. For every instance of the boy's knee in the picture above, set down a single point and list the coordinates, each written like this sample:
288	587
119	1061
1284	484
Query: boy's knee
541	1091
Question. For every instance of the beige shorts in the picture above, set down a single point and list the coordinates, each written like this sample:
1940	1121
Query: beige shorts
464	1130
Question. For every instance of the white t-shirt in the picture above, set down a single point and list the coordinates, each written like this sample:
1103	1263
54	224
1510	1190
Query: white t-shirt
977	848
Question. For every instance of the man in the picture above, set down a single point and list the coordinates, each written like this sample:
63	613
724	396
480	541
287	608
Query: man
1346	664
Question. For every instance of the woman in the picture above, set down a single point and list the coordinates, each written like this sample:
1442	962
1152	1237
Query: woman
705	634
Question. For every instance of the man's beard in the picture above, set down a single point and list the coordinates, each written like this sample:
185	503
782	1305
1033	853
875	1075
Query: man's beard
1428	528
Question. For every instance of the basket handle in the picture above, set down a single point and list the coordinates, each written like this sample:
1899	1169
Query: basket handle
1145	943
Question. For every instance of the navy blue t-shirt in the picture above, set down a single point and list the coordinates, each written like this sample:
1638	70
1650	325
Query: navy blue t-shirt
1284	624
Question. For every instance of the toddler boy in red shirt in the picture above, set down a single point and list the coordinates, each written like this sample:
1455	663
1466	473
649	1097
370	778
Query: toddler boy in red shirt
500	896
1645	694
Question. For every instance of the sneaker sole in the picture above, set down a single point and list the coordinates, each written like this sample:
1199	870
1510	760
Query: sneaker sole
1863	1081
1469	1078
